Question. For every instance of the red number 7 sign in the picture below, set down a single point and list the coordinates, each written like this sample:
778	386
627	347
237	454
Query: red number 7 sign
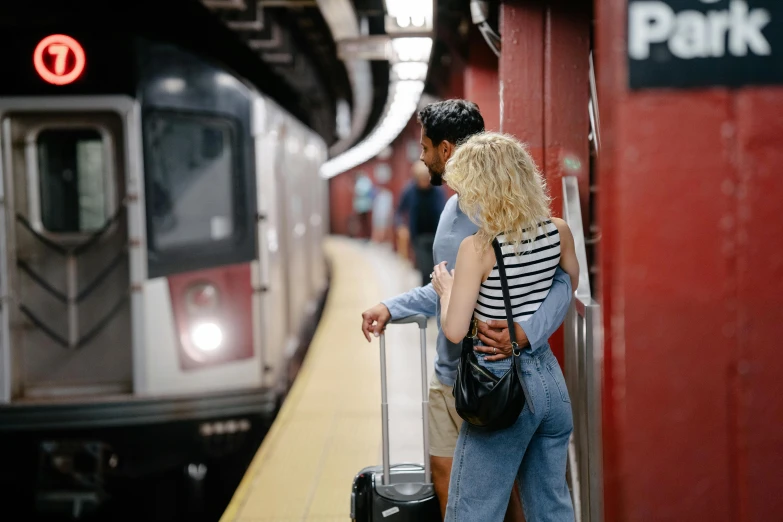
59	59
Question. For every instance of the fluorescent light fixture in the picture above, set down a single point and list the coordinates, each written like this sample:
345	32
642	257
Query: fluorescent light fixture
409	71
406	84
403	99
421	9
412	49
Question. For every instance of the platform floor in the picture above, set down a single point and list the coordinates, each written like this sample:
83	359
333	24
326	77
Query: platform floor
330	425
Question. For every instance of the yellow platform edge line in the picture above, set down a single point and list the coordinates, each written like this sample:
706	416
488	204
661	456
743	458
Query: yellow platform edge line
289	407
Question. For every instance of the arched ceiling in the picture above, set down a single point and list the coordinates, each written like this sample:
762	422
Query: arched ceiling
293	38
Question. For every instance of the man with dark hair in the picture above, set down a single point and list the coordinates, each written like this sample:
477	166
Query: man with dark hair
444	125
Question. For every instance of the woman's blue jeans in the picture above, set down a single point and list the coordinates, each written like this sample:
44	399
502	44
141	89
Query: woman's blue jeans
533	450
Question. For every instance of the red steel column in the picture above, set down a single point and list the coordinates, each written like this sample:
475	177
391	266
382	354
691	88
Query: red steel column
692	264
544	91
481	80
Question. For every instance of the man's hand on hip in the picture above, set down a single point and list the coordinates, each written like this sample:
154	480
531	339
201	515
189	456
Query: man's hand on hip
494	335
374	320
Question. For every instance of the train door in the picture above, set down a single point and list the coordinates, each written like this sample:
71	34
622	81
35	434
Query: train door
316	213
313	241
272	258
306	185
66	254
296	231
323	220
281	171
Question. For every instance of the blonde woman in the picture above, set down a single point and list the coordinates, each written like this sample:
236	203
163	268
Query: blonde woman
501	190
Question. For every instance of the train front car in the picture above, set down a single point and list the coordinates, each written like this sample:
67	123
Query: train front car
150	306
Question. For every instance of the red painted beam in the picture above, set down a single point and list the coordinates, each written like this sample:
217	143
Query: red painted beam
566	96
522	74
544	92
691	258
482	83
756	376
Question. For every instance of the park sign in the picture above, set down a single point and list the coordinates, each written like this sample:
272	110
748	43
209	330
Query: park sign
704	43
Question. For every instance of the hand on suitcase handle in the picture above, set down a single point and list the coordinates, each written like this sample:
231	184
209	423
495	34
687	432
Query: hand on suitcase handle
375	319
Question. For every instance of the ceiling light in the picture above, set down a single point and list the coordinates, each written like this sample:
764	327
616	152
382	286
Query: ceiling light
409	8
412	49
405	90
403	100
409	71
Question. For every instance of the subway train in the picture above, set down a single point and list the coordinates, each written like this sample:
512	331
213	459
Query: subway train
161	260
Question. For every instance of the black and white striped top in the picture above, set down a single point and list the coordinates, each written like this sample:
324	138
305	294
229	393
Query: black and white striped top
529	276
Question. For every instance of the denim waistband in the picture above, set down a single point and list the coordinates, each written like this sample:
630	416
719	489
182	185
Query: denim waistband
543	354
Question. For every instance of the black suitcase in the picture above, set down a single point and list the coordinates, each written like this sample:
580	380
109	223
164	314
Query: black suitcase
404	492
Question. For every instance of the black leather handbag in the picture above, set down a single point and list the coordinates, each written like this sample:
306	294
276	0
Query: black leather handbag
482	399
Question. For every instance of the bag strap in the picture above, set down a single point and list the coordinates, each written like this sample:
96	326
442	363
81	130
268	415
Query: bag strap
512	334
506	297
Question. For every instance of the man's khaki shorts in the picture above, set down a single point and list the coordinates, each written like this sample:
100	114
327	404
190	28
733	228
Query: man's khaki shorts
444	420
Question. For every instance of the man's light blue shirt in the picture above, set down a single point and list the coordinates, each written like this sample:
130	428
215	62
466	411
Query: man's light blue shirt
453	227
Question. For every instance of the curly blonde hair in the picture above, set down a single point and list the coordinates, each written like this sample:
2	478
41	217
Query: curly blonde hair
499	188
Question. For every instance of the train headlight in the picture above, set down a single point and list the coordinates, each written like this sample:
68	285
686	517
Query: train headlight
207	337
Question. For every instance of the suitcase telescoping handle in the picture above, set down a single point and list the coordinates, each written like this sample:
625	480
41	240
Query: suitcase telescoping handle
421	320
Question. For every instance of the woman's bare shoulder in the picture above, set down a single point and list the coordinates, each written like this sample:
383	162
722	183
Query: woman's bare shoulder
560	224
562	228
470	247
566	237
478	259
467	248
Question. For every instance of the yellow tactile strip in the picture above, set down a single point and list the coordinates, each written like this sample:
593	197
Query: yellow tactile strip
329	426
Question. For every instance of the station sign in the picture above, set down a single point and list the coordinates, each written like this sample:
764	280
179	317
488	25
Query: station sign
704	43
59	59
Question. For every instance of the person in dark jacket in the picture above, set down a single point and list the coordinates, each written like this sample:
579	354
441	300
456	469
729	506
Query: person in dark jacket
421	203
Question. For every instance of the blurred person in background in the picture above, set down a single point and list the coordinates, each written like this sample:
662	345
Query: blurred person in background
363	190
417	217
382	210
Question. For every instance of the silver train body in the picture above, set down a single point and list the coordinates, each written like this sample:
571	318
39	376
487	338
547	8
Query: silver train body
160	247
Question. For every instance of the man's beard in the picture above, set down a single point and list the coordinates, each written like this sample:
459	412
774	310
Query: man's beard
436	178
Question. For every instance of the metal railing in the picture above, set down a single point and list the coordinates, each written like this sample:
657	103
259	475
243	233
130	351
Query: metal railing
583	373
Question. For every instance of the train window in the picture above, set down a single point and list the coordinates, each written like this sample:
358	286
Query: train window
73	182
192	176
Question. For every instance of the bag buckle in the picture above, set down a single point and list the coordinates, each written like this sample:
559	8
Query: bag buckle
473	333
515	349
